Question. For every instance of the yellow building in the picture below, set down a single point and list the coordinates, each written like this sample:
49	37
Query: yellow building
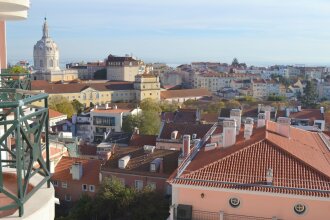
147	86
102	92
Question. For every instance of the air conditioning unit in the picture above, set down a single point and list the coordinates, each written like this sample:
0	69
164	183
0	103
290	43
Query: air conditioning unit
184	212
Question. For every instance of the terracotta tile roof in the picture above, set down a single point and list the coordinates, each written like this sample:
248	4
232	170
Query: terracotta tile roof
312	114
140	161
184	93
259	81
301	164
91	170
140	140
210	117
184	128
52	88
54	114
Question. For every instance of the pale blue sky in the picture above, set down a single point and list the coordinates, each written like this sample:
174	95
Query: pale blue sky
179	31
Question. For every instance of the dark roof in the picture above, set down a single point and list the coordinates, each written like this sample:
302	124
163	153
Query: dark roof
225	112
112	58
210	117
140	161
140	140
184	128
119	137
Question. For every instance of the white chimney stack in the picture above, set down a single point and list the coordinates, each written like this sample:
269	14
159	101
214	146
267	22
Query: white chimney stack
174	134
236	114
248	128
229	132
186	145
283	126
299	108
268	109
107	106
259	107
322	110
261	120
115	107
287	112
76	170
269	177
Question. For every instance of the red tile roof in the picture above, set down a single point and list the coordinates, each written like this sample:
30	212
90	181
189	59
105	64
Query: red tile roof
91	170
299	162
54	114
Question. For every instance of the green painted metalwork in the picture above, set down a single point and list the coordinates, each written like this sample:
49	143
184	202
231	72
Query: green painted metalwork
25	127
15	80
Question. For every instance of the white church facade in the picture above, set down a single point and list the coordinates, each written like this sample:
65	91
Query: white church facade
46	58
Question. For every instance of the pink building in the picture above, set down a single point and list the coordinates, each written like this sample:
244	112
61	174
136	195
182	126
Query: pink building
278	172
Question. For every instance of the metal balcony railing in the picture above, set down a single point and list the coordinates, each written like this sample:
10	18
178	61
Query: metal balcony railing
15	80
24	127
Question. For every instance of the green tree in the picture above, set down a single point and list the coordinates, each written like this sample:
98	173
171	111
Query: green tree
77	106
61	104
17	69
233	104
326	105
168	107
276	98
309	99
150	105
235	62
215	107
150	122
131	122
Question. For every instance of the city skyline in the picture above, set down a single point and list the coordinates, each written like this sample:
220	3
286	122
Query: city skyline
256	32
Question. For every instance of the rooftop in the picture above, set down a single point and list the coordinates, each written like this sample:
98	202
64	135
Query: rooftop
184	128
301	163
91	170
140	161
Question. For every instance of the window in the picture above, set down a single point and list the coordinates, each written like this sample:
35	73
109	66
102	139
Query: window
91	188
84	187
234	202
67	197
55	183
152	185
104	121
64	185
299	208
138	184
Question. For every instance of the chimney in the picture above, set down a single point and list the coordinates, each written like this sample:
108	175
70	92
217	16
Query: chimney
107	106
236	114
259	107
122	162
261	120
283	126
198	115
174	134
322	110
268	109
96	106
229	132
76	170
269	176
52	166
136	130
299	108
115	107
248	128
186	145
287	112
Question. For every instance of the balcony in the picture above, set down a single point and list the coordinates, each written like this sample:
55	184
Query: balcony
15	81
23	170
14	9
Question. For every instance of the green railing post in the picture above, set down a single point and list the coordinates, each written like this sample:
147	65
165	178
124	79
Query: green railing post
47	140
18	159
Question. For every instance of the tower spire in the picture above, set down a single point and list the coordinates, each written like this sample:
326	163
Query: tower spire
45	29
